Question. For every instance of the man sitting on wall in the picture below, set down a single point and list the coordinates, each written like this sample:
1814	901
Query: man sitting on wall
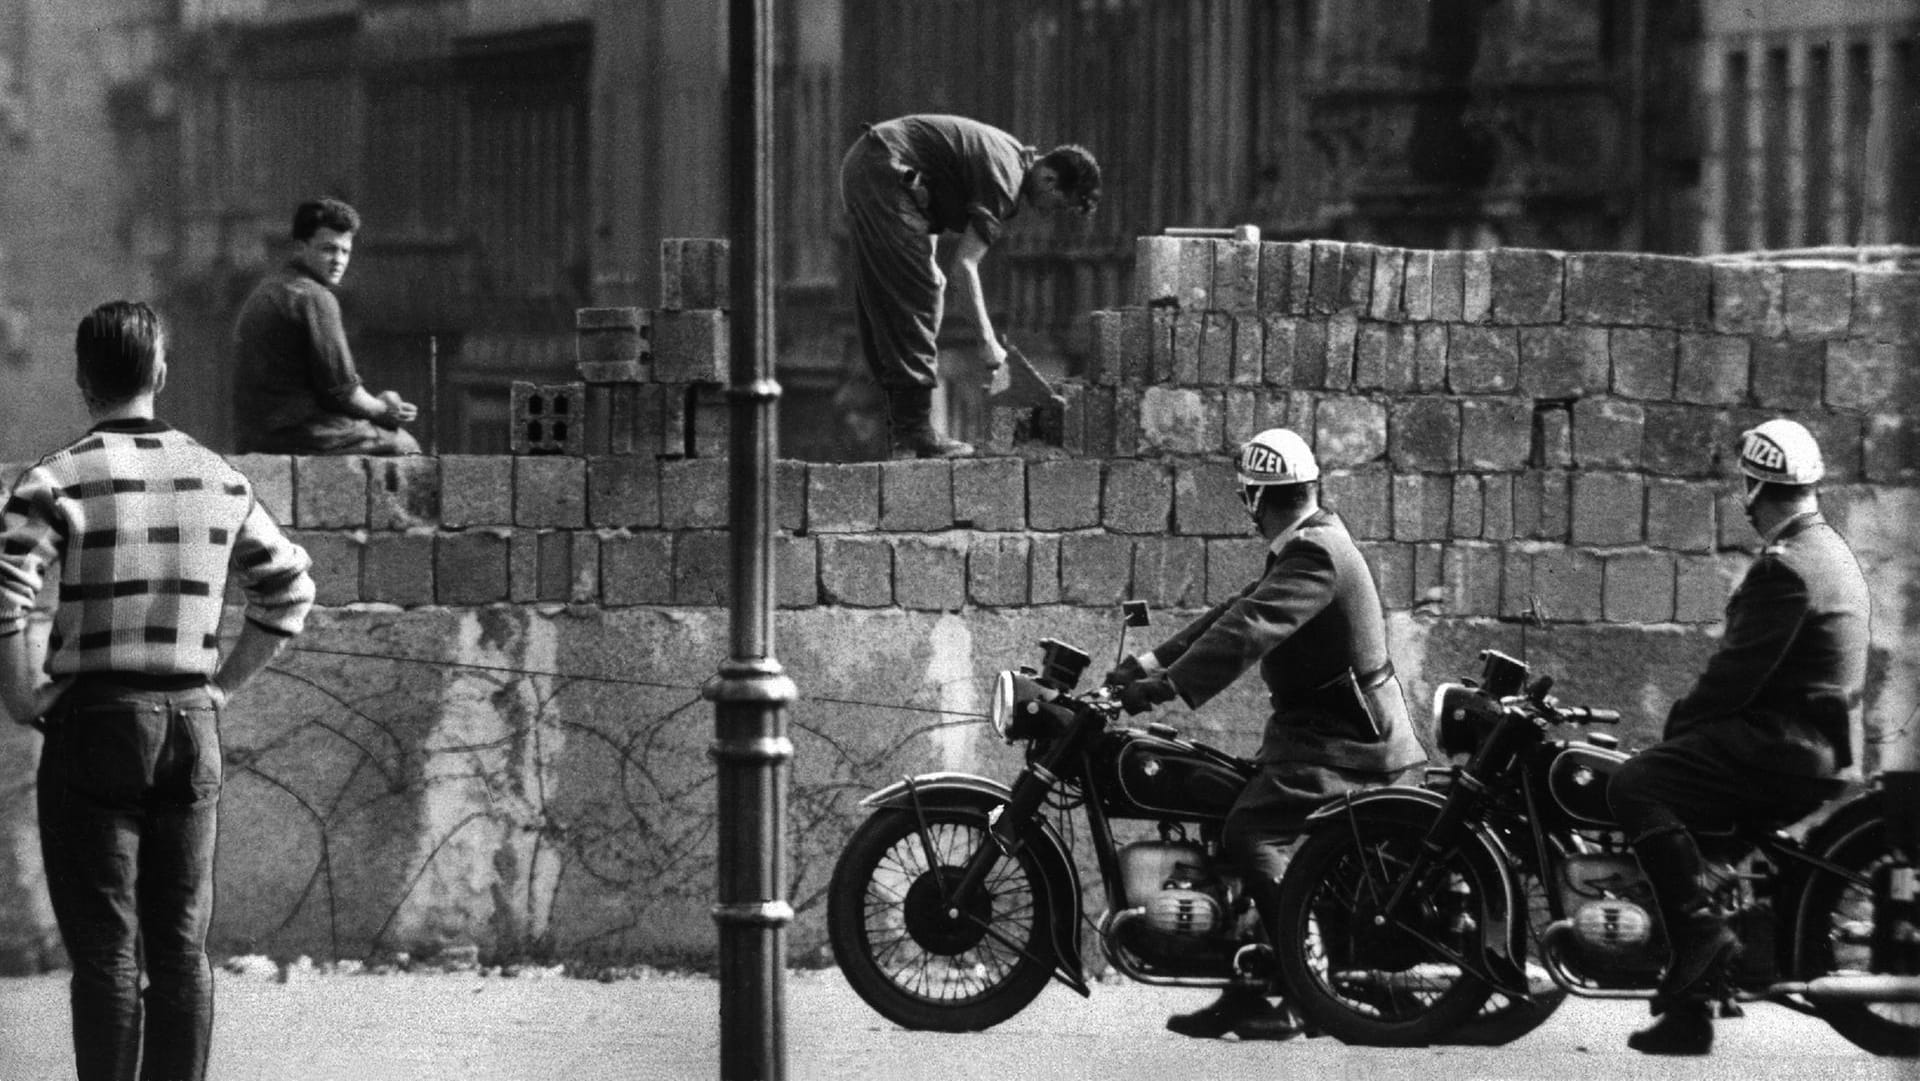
295	389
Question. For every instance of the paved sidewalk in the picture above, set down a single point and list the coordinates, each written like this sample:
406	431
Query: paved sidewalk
470	1028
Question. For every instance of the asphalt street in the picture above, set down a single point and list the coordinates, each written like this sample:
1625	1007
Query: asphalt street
475	1028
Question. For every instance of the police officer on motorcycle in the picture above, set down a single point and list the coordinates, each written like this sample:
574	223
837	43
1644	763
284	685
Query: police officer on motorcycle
1765	729
1312	621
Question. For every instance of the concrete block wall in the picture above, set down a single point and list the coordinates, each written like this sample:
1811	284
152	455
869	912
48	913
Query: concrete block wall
497	706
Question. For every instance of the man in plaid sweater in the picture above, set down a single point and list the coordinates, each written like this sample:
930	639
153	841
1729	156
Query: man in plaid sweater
140	527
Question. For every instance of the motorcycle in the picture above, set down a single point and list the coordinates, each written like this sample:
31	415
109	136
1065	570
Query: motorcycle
959	898
1405	907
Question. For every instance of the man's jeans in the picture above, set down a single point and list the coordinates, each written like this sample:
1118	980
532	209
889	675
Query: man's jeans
129	780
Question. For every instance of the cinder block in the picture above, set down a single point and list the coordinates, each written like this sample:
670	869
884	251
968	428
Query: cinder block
538	568
550	492
1189	337
397	568
997	568
931	572
1678	441
1890	449
1310	352
1563	362
796	571
693	494
1638	588
1137	497
1839	436
1236	275
663	406
1608	433
709	421
856	572
916	496
1043	569
1469	518
1430	576
1749	299
1063	495
1384	357
1609	508
1356	278
1637	290
1819	301
548	418
1276	276
1429	357
1496	434
695	272
1476	286
989	493
1136	346
1349	431
1680	514
1246	412
1643	362
1389	277
1552	436
1730	523
623	490
1104	359
1160	346
1567	584
1249	349
843	498
613	345
1474	577
1542	501
1126	422
702	569
1300	257
330	492
1206	500
583	586
1496	507
1392	568
636	568
1170	572
1702	585
1216	350
1343	331
470	567
1178	420
1096	569
1449	286
1329	258
612	418
1886	306
270	475
1483	360
1528	285
336	564
1196	273
1422	507
403	492
1423	434
1233	562
1156	271
1864	374
1416	286
1712	369
1363	500
476	490
1276	349
1788	373
690	346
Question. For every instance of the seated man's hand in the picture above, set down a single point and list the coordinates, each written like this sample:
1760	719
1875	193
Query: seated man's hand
1143	694
399	410
1125	672
993	355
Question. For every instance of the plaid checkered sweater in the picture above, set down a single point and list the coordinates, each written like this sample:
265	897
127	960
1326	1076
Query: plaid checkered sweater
145	524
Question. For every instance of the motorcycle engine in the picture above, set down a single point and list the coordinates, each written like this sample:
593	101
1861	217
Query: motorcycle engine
1174	882
1611	911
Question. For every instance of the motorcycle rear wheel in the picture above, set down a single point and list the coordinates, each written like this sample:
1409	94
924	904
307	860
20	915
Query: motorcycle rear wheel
911	957
1392	984
1840	917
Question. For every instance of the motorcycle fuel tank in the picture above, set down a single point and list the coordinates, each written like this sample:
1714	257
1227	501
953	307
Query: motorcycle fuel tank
1576	779
1154	777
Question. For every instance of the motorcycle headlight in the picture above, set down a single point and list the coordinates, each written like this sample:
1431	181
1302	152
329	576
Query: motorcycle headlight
1000	711
1023	708
1462	717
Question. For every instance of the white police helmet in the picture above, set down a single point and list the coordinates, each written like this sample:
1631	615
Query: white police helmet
1779	451
1274	457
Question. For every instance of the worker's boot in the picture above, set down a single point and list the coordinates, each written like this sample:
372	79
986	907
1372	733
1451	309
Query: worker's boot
1697	931
910	424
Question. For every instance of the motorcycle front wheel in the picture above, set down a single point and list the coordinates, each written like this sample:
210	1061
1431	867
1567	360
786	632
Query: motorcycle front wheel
918	958
1364	976
1840	921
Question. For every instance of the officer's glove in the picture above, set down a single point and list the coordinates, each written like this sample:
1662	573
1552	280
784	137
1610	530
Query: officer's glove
1143	694
1125	672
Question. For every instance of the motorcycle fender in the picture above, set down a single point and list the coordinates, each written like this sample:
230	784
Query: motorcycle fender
1419	807
1060	878
1859	815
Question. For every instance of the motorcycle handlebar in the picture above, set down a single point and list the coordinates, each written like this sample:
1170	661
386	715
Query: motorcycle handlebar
1589	714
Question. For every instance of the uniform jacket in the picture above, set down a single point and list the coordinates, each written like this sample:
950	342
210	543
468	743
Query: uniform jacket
1313	616
1792	662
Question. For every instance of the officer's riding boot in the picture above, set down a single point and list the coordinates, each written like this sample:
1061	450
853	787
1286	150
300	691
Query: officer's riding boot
1243	1009
910	422
1700	940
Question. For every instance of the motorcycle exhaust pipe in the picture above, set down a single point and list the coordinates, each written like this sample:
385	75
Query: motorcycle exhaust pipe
1880	987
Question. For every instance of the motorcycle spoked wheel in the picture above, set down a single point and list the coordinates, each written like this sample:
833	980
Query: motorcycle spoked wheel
911	959
1840	915
1396	984
1503	1018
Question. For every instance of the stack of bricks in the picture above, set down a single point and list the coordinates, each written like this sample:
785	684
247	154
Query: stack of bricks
1510	425
654	379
